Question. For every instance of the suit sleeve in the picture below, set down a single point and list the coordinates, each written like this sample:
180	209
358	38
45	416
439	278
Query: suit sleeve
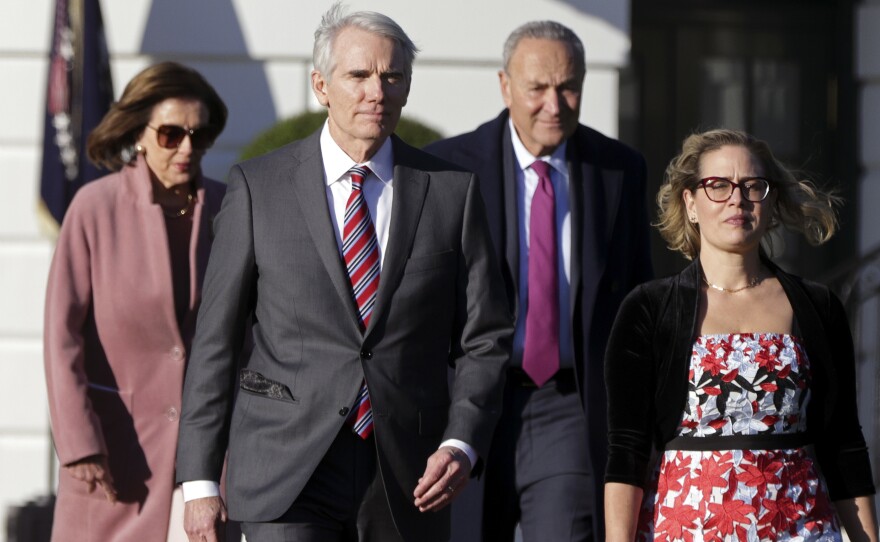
482	334
211	375
75	425
630	384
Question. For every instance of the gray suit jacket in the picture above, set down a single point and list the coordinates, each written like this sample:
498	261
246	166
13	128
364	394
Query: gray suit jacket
275	263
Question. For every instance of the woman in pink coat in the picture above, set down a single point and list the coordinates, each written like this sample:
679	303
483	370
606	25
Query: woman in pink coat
121	303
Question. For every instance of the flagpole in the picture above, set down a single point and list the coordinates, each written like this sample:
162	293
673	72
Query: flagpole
78	94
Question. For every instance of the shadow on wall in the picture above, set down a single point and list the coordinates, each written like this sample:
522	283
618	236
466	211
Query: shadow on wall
614	12
207	35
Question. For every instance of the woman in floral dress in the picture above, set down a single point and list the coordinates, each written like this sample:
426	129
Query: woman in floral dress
739	375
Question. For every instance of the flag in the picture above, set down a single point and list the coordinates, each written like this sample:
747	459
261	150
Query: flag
79	92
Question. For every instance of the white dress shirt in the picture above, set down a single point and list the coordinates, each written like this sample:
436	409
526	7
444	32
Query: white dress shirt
526	184
378	190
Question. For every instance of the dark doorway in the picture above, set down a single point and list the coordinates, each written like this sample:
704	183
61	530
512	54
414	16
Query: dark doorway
781	70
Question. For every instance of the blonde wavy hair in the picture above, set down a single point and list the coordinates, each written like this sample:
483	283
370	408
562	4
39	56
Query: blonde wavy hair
800	205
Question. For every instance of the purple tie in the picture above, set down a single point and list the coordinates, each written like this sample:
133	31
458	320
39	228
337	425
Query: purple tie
541	350
360	250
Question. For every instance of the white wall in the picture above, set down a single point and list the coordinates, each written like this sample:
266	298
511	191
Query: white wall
257	53
25	449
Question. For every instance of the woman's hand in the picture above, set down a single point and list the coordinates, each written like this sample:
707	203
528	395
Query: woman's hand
857	517
622	503
95	472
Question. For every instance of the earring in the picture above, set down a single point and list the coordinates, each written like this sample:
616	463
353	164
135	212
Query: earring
139	148
694	219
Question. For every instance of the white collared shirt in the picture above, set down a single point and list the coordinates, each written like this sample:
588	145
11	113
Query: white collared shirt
526	184
378	187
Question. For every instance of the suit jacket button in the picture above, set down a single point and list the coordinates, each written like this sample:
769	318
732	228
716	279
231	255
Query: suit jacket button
176	353
343	411
171	414
366	354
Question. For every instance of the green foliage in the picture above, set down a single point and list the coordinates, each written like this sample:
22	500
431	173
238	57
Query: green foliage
415	133
300	126
283	132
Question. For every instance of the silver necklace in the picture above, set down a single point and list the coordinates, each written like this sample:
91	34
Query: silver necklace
754	281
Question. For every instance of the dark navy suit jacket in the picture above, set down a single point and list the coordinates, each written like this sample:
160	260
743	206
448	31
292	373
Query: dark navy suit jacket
610	252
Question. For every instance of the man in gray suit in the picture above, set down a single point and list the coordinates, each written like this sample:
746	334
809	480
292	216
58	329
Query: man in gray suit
365	267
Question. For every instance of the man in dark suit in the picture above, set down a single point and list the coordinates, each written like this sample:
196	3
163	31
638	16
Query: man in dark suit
566	209
366	268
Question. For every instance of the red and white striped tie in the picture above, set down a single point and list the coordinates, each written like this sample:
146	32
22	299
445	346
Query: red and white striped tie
360	249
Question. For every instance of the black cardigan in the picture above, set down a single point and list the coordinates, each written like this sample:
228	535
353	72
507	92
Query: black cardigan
646	375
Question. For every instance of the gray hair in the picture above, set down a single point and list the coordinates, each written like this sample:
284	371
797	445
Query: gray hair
545	30
335	20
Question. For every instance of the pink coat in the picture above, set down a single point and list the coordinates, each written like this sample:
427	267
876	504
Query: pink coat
114	354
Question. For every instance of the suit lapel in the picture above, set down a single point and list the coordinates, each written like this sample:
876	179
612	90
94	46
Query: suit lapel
307	179
511	212
578	203
410	189
491	158
596	200
139	190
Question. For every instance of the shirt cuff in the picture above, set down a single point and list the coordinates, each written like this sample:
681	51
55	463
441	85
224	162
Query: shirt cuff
464	447
199	489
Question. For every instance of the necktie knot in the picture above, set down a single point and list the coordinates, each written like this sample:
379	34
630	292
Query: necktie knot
358	174
542	168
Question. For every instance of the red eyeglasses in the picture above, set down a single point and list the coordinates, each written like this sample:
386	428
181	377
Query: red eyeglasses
170	136
719	189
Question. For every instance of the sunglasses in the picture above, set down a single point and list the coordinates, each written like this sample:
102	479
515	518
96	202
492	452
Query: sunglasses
171	136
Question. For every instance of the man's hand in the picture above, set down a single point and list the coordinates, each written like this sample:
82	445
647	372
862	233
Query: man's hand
448	471
95	472
203	519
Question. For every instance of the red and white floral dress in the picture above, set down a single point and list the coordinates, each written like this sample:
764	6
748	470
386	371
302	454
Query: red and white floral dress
735	472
